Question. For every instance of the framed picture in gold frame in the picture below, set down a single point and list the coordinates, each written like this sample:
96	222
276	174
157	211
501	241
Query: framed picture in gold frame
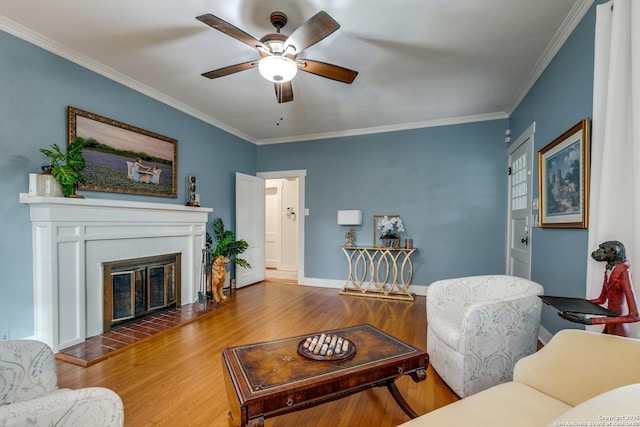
122	158
563	179
391	237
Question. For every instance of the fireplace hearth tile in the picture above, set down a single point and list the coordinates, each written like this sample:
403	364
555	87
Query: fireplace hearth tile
106	345
137	332
121	337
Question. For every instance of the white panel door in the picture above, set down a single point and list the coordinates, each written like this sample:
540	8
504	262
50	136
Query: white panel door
520	181
273	214
250	212
289	225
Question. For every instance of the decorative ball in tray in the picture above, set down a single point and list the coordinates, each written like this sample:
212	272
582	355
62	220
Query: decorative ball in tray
326	347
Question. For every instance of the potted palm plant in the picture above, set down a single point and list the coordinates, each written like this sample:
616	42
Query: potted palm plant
226	250
226	244
66	167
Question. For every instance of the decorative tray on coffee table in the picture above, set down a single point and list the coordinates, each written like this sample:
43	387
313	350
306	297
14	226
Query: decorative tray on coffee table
326	347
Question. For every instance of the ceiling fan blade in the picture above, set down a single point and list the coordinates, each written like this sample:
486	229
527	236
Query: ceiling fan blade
328	71
220	72
230	30
284	92
312	31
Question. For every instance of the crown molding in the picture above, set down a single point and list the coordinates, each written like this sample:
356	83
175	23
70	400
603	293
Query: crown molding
390	128
571	21
576	14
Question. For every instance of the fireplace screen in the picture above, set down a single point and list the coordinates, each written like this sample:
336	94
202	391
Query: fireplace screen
137	287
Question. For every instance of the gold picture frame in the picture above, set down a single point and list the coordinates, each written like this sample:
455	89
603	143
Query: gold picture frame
376	237
563	179
111	150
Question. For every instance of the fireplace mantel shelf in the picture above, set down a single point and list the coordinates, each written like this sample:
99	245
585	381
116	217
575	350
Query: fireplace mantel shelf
106	204
72	238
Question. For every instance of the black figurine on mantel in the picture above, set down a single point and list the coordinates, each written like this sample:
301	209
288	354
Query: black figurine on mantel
616	289
193	198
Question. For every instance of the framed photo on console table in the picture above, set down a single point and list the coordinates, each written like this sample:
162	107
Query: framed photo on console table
563	179
387	230
121	158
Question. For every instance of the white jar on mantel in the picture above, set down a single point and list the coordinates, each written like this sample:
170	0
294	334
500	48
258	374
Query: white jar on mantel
47	186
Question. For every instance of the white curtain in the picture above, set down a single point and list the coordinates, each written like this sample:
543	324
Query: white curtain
614	208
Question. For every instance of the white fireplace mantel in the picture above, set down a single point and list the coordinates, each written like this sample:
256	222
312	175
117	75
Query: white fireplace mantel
73	237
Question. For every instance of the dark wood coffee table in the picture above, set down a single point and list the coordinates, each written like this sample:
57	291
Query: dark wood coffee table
270	378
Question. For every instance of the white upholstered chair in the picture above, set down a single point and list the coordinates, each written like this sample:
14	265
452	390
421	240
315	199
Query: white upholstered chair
29	393
478	327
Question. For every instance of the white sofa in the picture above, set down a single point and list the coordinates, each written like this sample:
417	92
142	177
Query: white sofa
478	327
29	394
578	378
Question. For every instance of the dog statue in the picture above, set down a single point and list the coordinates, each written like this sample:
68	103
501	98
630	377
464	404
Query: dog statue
218	276
616	289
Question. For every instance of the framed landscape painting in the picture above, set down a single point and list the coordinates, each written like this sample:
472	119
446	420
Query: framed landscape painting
121	158
563	179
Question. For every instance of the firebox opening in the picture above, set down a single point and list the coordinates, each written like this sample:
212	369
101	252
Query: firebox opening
135	288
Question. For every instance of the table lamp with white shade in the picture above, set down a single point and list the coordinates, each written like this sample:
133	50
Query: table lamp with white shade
350	217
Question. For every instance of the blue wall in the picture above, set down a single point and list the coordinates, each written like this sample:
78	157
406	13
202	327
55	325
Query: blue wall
448	183
561	97
35	89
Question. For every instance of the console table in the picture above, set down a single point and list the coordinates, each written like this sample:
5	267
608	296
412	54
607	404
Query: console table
379	272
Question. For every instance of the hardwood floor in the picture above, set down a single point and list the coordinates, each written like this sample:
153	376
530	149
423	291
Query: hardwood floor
175	378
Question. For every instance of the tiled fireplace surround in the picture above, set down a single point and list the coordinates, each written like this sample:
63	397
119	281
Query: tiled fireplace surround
73	237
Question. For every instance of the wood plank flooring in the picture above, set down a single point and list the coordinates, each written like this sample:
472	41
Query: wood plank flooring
175	378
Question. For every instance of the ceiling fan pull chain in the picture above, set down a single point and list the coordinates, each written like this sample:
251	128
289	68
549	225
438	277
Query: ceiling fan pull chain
279	111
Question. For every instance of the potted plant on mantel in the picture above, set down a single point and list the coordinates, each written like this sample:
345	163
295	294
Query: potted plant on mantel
227	249
66	167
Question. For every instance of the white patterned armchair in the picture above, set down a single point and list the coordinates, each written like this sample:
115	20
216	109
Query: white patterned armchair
29	393
478	327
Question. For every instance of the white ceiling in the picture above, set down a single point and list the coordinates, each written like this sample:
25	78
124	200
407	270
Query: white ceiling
420	62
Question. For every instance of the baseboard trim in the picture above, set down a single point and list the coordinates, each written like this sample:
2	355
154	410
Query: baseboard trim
339	284
544	335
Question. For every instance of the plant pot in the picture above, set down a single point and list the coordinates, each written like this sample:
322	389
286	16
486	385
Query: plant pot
74	193
47	186
391	243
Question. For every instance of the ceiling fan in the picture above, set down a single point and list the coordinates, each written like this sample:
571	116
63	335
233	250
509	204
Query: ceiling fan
279	60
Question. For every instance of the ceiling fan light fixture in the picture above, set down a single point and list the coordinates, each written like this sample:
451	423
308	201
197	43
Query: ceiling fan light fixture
277	69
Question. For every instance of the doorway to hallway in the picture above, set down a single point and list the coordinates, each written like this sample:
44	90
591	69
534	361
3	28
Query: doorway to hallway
284	226
281	231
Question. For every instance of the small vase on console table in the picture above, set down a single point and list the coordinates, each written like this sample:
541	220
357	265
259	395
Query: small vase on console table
390	243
